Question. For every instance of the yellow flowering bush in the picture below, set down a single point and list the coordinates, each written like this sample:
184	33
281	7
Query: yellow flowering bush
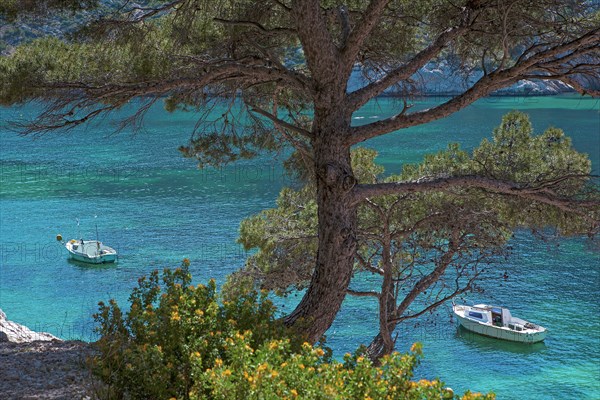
275	371
184	342
171	328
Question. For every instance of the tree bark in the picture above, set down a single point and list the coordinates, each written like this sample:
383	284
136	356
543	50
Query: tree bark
383	343
337	226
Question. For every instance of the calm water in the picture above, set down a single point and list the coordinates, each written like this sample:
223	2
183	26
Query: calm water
156	208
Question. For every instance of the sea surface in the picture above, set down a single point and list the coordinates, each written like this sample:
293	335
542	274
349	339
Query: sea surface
137	194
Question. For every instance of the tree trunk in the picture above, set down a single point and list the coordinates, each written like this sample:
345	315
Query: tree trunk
383	343
380	346
337	226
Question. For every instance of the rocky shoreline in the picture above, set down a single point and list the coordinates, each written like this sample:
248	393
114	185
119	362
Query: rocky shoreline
38	365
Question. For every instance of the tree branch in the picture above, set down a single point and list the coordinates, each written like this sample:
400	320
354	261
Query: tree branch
433	305
319	48
361	96
362	294
281	122
362	30
257	26
484	86
539	193
367	265
426	281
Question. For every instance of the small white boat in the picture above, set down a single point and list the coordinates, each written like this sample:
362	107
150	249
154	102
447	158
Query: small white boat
89	251
497	322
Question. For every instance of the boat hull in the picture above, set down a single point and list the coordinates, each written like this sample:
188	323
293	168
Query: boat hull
93	260
501	333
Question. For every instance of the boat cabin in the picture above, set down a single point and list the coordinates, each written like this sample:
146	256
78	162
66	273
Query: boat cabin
496	316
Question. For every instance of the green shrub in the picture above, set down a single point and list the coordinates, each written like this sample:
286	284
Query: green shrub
181	341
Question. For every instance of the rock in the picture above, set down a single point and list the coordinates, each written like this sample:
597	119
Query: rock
63	375
17	333
38	365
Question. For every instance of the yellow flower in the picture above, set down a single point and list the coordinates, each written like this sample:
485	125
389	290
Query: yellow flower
175	316
218	362
227	372
416	348
319	352
294	392
262	367
274	374
199	312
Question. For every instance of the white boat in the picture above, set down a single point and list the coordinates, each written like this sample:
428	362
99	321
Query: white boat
497	322
89	251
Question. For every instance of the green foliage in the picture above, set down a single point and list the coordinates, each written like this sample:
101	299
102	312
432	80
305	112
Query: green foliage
515	154
170	331
181	341
186	52
364	166
285	236
287	239
273	371
47	61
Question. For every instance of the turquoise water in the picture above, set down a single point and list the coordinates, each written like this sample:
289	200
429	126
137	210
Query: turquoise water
156	208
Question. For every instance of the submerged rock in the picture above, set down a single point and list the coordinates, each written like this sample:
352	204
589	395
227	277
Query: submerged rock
17	333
